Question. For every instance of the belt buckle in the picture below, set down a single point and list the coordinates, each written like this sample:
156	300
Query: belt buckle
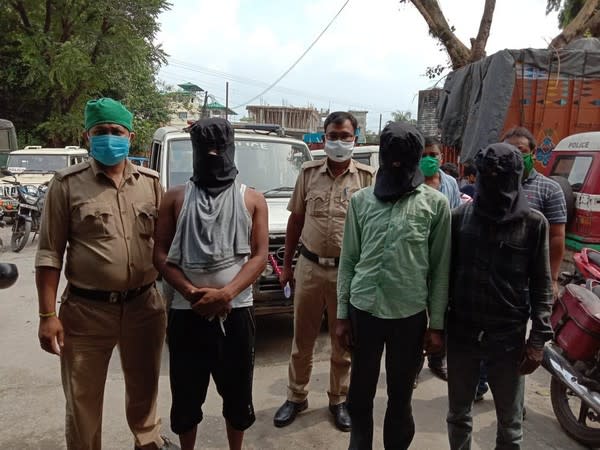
117	296
329	262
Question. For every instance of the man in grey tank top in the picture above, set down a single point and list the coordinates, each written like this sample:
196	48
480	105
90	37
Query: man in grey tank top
211	244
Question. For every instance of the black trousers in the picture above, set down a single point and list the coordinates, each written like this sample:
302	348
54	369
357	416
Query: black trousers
403	341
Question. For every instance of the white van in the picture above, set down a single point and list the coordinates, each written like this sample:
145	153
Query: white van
35	165
267	161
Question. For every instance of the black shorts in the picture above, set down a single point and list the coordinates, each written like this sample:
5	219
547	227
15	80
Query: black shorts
197	350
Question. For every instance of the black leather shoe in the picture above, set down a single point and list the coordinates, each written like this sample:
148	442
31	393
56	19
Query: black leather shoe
341	416
288	412
440	372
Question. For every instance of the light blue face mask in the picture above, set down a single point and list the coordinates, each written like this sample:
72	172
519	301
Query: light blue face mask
108	149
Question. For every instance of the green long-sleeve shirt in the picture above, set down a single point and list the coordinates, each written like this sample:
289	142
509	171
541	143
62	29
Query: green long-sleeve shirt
396	256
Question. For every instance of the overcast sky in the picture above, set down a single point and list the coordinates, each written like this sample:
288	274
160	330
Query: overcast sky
373	57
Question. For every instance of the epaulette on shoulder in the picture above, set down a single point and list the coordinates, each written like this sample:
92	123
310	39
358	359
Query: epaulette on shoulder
365	167
315	163
148	172
71	170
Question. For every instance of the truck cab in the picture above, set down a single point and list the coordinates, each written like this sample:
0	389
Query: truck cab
267	161
576	158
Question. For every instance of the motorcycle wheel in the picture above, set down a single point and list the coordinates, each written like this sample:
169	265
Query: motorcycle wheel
20	237
580	426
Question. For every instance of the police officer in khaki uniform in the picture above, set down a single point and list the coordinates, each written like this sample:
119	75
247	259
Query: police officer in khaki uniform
318	209
103	213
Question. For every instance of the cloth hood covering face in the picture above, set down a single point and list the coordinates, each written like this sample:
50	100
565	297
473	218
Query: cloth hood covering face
499	196
400	151
213	173
107	110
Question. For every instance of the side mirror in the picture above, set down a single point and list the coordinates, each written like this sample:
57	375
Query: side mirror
8	275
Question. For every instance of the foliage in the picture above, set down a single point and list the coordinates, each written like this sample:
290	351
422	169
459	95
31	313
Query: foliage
567	10
57	54
371	138
403	116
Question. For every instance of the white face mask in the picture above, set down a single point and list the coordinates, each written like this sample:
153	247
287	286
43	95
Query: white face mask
339	151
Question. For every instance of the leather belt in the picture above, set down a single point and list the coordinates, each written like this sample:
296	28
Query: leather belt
109	296
328	262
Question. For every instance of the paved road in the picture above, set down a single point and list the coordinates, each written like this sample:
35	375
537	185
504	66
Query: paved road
32	404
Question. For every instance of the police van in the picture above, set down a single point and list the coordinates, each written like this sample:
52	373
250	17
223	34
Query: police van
267	161
575	164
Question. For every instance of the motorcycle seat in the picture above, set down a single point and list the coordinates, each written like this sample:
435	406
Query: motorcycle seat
594	257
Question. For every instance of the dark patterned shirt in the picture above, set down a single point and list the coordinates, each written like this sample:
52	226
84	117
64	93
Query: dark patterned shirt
499	279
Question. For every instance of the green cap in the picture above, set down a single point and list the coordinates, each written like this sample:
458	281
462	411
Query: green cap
107	110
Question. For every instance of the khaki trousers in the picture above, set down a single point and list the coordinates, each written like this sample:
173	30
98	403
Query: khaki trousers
92	330
315	293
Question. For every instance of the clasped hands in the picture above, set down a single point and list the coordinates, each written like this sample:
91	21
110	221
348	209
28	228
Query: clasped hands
209	302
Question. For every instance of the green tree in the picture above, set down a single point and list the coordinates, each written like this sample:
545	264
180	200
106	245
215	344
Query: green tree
57	54
576	18
403	116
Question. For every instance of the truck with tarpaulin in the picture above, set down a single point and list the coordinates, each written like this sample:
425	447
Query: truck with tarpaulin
553	93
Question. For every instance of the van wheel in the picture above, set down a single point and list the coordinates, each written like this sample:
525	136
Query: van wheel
568	193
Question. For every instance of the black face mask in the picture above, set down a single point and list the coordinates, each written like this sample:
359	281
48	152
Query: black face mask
499	194
399	155
213	173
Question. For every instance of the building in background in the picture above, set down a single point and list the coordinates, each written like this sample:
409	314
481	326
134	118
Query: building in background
187	106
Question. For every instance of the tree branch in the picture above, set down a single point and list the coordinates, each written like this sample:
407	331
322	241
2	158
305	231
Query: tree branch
19	6
458	52
48	19
478	44
587	18
104	28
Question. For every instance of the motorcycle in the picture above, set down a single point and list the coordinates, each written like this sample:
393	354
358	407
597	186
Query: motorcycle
573	356
31	202
9	207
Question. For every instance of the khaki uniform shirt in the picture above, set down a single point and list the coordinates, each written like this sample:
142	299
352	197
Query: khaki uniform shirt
109	230
324	201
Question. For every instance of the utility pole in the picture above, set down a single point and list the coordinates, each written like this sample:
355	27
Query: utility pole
204	114
226	99
380	125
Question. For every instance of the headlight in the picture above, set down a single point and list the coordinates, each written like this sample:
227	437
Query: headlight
30	199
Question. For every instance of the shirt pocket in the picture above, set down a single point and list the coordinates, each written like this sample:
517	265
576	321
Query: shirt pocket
145	219
512	260
413	229
342	200
317	204
96	220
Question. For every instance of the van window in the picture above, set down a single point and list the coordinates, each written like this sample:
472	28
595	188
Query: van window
573	168
155	156
4	140
33	163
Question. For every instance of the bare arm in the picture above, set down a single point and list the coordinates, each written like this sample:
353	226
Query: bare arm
46	281
48	263
557	248
163	237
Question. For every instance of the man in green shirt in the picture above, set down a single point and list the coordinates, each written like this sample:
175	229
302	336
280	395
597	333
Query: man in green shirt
393	276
